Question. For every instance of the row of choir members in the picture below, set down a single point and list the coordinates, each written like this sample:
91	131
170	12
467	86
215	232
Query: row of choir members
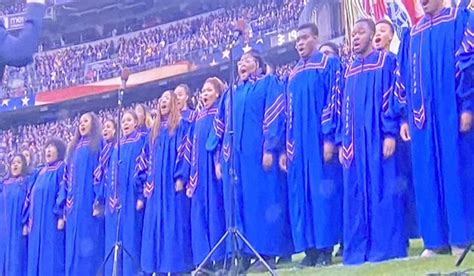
295	127
61	219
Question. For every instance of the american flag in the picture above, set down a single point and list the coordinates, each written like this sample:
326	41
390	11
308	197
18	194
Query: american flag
402	13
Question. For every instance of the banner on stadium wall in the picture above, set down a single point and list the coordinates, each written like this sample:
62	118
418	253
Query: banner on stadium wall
110	85
15	21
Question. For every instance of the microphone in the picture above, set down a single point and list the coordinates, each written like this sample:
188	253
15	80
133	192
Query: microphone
237	33
124	77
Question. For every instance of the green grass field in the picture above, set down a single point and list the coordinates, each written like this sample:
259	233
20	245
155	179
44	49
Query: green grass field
413	265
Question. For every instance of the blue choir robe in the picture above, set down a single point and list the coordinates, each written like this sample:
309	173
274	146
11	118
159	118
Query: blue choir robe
188	115
314	186
373	222
166	239
100	174
123	187
207	206
436	58
403	160
219	144
45	241
143	130
13	250
19	51
84	232
261	196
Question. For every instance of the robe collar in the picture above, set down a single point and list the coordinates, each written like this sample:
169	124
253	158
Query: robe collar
164	120
362	60
13	179
51	166
252	79
212	110
132	137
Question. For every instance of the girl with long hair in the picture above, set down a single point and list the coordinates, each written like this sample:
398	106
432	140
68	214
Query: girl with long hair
145	121
122	188
84	232
109	135
166	240
45	240
205	187
13	250
188	116
184	95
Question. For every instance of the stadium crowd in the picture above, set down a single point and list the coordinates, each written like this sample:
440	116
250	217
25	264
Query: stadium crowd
184	40
12	8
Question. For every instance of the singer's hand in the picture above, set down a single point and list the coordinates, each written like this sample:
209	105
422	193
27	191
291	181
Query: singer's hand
189	193
389	145
341	155
60	224
465	121
25	230
405	132
218	171
179	186
328	151
140	204
282	162
267	161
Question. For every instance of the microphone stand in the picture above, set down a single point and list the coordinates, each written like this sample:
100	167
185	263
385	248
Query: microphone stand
232	232
118	248
464	254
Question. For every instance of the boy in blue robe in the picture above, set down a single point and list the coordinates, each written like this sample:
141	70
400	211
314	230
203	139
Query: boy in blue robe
373	224
314	175
436	58
384	32
19	51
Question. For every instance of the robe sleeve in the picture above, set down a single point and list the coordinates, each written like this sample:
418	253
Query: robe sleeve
58	208
402	78
140	174
465	66
338	133
144	169
183	160
389	112
99	179
18	51
30	183
274	118
62	192
332	94
216	135
25	213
